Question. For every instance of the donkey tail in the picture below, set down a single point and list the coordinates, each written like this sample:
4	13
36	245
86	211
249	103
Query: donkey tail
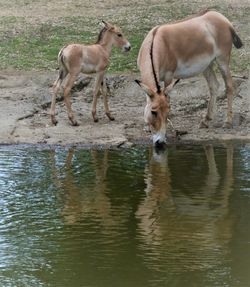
236	39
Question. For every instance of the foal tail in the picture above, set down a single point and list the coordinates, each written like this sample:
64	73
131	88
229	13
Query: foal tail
236	39
63	71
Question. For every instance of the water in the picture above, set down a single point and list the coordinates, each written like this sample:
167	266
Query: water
72	217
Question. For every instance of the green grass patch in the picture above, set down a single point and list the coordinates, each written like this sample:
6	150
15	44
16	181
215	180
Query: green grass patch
35	47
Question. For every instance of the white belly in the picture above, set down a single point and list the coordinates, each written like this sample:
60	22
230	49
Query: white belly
192	68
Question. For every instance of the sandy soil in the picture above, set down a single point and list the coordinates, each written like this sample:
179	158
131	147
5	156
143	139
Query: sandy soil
25	96
25	105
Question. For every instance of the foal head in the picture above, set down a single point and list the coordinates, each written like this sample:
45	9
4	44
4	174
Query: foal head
156	113
115	35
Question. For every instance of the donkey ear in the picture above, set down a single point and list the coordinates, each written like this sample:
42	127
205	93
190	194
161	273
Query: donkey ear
170	86
146	89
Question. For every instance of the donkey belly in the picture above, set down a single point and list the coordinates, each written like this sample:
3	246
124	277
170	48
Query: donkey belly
193	67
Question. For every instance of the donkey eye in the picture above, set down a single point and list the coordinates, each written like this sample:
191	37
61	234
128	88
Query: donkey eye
119	34
154	113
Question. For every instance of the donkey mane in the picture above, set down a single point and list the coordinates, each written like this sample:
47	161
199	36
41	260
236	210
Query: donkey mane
158	87
201	13
101	34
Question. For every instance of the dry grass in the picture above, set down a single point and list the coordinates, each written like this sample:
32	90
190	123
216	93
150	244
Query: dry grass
32	31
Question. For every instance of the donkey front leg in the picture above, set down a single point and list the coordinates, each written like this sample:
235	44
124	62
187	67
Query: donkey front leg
105	99
213	86
68	86
55	89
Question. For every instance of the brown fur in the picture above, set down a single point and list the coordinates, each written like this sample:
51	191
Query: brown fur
181	50
76	58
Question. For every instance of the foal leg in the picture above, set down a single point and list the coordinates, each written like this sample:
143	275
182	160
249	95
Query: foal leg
105	99
223	63
67	88
55	89
213	86
99	80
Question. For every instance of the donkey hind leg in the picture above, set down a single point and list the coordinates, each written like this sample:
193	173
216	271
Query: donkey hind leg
105	99
55	89
213	86
69	84
223	63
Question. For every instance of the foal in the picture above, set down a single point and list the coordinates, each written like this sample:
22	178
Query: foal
181	50
76	58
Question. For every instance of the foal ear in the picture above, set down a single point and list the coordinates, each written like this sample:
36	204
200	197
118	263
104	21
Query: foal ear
107	25
146	89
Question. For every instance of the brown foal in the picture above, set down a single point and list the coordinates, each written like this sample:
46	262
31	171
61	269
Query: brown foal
88	59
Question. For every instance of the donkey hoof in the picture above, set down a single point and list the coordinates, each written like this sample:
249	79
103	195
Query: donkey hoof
96	120
228	125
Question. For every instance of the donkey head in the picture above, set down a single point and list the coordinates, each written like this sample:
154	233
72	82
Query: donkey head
118	38
156	113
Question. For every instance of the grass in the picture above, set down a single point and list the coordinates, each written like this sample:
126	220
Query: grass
37	47
26	46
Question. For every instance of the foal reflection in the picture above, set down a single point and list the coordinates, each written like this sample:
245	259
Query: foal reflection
83	198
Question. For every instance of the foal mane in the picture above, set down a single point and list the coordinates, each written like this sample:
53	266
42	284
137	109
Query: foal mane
158	87
101	34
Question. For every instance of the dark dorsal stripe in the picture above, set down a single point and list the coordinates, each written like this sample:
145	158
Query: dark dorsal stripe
101	34
158	87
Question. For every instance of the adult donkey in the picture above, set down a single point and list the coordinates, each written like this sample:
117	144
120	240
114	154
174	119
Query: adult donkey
76	58
181	50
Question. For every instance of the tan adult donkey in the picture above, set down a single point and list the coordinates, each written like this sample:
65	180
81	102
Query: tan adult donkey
88	59
181	50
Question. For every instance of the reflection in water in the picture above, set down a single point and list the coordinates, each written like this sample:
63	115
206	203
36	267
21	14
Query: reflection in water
190	227
132	217
78	201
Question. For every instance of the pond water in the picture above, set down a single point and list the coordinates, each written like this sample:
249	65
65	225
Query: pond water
133	217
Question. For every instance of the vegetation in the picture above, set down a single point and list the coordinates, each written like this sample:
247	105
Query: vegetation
34	45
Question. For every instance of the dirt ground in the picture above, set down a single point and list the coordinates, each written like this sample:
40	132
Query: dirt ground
25	106
25	96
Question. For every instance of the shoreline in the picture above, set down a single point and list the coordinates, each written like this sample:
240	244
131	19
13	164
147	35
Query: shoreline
25	107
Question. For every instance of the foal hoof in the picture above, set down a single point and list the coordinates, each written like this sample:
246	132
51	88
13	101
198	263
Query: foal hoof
74	123
111	118
203	125
54	121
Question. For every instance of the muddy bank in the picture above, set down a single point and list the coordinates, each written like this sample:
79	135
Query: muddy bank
25	104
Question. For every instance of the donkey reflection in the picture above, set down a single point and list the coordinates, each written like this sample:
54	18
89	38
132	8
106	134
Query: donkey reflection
79	201
167	216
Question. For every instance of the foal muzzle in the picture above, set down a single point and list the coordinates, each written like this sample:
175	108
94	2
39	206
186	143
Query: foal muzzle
127	47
